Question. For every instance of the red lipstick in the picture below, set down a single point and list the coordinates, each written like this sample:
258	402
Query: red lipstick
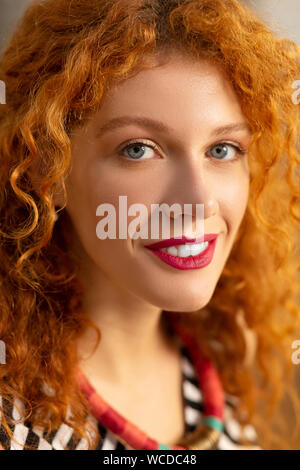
189	262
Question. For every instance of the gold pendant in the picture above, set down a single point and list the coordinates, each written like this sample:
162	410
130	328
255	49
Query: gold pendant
202	438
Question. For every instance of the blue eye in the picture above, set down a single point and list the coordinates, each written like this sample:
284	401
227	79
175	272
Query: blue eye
139	150
136	151
225	151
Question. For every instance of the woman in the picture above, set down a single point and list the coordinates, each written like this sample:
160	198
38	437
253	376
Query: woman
160	102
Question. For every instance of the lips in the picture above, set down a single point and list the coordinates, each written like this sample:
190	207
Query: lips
190	262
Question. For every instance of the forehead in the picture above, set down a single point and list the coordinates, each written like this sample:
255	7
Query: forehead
181	91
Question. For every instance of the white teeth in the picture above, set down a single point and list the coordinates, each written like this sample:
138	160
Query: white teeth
172	250
198	248
183	251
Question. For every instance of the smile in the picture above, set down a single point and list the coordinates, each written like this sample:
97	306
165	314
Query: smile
183	254
183	251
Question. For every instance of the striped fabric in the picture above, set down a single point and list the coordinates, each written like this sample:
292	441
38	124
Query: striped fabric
193	412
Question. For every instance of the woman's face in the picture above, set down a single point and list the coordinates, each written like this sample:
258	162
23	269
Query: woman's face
193	101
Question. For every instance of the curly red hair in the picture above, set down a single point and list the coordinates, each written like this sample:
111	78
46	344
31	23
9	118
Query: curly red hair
57	66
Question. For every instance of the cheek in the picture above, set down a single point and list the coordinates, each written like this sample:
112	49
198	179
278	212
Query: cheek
233	198
139	185
107	185
104	186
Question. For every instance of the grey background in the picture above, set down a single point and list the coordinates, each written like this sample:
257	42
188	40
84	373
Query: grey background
10	11
282	15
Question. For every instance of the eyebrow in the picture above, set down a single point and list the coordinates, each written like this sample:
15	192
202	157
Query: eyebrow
159	126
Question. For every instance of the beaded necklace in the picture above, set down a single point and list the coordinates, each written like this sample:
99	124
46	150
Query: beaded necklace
204	437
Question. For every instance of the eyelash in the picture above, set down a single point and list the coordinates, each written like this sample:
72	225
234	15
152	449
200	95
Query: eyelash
241	151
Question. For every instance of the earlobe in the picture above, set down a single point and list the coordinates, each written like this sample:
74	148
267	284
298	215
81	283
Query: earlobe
56	215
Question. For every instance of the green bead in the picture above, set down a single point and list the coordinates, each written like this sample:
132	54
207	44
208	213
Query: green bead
163	447
214	423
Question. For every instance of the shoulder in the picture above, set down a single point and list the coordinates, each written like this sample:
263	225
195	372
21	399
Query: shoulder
235	436
25	435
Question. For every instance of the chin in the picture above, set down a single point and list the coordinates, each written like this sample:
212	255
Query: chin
184	303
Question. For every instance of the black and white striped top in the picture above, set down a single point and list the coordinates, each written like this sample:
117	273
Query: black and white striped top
64	437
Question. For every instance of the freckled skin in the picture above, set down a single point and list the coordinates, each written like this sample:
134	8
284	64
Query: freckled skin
192	99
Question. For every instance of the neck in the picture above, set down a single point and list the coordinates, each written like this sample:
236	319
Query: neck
134	334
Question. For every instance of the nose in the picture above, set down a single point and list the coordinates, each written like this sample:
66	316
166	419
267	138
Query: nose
192	186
